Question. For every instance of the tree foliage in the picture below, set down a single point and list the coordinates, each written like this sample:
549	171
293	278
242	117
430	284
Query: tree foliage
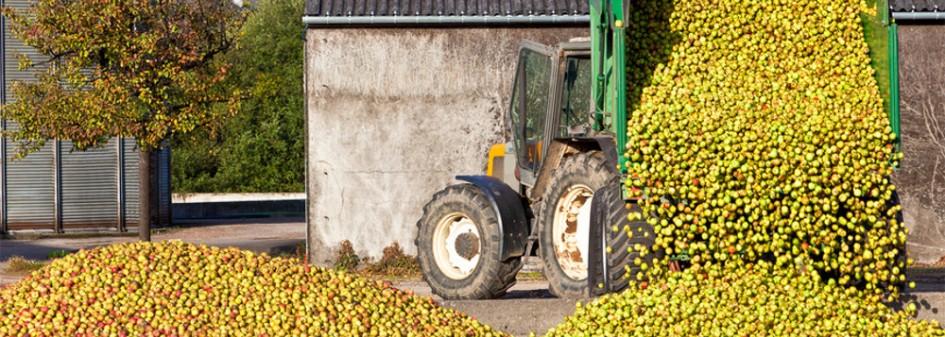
261	149
148	69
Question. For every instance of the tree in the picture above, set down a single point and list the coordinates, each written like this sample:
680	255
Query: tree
261	149
148	69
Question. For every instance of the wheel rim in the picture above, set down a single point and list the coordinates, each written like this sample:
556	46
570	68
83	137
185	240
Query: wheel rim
456	246
570	230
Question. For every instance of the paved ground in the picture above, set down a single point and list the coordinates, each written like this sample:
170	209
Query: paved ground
528	307
260	235
929	293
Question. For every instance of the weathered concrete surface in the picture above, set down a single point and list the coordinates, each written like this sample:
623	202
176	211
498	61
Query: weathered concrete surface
392	116
921	181
928	294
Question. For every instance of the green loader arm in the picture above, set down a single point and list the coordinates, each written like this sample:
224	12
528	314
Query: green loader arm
609	64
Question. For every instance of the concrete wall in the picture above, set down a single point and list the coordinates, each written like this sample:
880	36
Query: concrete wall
392	116
921	181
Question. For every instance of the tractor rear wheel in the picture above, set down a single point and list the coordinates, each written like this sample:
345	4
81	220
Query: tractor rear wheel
458	246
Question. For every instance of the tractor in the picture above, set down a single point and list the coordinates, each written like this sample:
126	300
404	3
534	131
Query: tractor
555	188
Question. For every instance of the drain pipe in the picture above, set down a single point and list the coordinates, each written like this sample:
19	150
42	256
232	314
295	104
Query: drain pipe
445	20
918	15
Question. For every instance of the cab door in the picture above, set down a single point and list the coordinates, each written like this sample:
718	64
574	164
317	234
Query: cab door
529	107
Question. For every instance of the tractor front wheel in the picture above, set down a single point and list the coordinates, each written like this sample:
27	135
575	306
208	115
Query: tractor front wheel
564	216
565	228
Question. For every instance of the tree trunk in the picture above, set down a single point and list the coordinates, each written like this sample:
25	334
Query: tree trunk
144	195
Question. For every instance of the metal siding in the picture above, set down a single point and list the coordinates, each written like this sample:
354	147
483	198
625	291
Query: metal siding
30	183
164	186
3	125
89	187
30	188
132	214
14	47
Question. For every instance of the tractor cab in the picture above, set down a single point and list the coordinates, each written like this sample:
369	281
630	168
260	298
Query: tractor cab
551	99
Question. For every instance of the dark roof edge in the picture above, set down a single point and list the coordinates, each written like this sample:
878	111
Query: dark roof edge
919	6
414	21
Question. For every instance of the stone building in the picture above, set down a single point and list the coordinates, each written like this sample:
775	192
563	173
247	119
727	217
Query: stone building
401	97
921	179
404	95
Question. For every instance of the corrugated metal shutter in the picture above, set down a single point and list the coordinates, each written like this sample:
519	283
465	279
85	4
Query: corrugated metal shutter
14	47
30	191
95	188
3	124
89	186
130	166
164	186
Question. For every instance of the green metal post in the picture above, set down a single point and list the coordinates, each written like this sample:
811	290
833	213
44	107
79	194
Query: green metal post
618	85
894	82
608	59
598	22
620	96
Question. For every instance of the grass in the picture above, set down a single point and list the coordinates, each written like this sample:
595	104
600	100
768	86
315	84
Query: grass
21	265
57	254
347	259
877	38
530	276
296	252
165	230
392	264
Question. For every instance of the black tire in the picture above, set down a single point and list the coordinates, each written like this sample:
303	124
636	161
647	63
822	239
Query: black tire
621	267
583	170
491	277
